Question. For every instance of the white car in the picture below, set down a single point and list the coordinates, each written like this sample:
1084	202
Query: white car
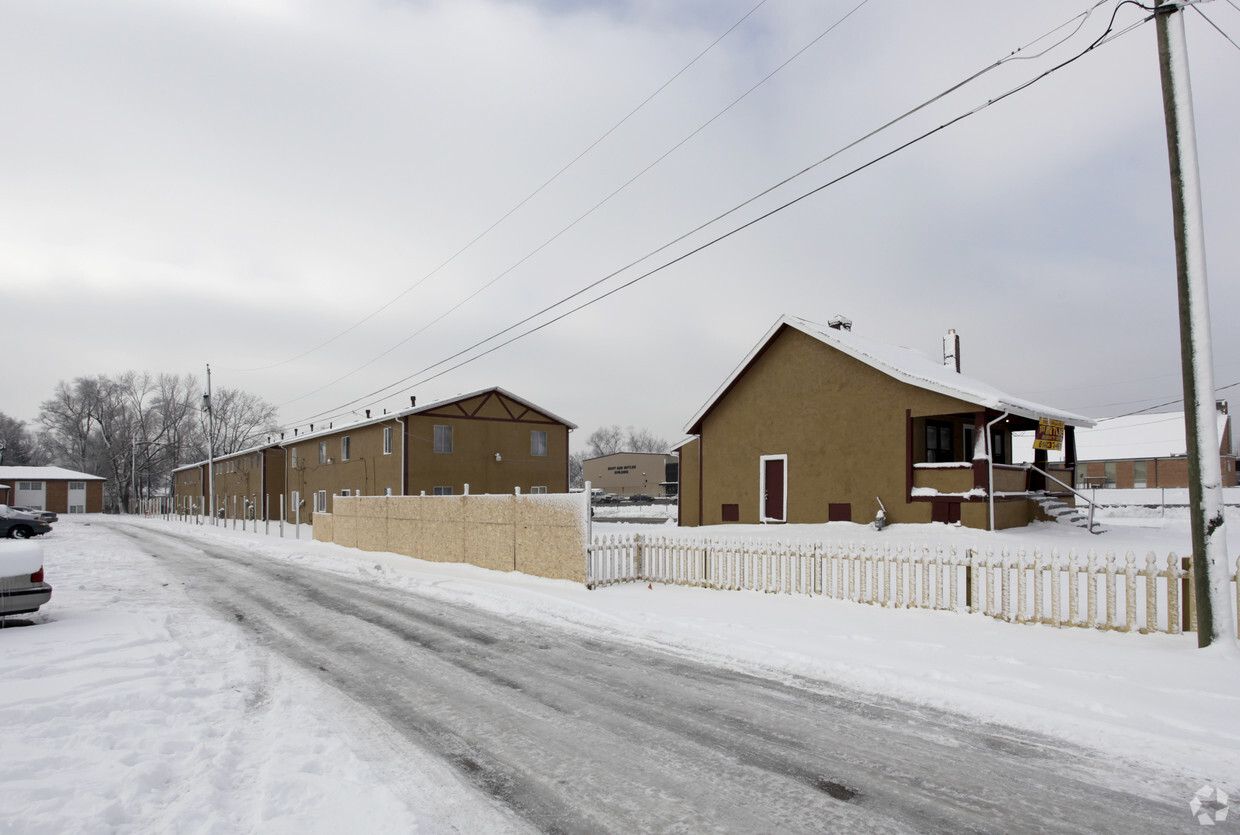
22	589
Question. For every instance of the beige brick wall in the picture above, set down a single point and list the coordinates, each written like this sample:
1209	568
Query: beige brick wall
540	535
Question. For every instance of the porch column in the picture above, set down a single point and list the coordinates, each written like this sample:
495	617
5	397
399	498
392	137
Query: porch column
1037	481
980	480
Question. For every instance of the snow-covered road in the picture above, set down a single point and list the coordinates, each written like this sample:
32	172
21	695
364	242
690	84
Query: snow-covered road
572	730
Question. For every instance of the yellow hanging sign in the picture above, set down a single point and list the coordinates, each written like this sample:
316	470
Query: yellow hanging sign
1049	434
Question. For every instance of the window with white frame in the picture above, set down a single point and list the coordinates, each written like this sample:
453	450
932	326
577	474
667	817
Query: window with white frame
292	458
442	491
322	452
77	485
29	485
320	501
387	440
344	448
443	439
538	442
77	508
345	493
538	490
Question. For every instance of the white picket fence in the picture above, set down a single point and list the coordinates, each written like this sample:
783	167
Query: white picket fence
1100	592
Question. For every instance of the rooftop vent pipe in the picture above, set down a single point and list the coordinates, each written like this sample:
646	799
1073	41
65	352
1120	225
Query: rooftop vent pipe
840	323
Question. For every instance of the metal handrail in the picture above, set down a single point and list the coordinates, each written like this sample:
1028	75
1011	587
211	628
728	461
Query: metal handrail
1070	489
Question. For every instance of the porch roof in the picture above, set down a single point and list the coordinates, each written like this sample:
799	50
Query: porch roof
904	364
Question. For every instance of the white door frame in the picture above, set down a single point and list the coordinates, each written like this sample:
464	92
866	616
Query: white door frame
762	488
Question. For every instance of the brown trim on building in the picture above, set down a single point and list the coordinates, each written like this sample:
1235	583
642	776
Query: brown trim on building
547	422
908	455
700	489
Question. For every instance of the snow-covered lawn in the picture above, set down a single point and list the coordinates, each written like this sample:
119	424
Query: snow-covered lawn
126	707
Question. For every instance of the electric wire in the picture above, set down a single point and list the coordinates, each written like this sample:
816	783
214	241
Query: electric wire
1216	28
519	205
589	211
1016	53
1106	37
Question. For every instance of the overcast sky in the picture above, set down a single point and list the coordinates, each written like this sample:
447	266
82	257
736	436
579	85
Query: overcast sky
239	182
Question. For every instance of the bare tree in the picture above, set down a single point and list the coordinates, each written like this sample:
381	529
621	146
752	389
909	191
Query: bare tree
606	440
67	421
643	440
576	469
136	429
240	420
19	447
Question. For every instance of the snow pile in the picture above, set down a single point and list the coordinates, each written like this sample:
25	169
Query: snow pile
19	557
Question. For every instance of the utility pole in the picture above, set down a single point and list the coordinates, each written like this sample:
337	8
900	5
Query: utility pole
1205	478
206	406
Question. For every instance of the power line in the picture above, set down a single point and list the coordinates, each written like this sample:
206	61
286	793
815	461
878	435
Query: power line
1215	25
592	209
1106	37
518	206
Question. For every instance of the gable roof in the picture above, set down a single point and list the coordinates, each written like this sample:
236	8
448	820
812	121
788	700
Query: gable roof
46	474
904	364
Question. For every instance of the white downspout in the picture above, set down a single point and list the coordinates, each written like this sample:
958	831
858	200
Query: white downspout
990	465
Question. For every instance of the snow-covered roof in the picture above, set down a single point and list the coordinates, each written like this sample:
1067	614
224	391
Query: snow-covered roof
904	364
1138	436
332	430
45	474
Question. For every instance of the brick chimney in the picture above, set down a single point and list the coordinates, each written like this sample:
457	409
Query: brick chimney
951	350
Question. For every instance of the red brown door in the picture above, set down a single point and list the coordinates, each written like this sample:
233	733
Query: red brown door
773	485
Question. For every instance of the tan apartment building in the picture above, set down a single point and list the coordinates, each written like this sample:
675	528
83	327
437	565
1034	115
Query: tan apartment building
246	483
819	424
489	441
633	473
51	488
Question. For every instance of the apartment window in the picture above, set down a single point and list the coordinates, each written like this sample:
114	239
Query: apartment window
77	508
1138	473
538	491
29	485
387	440
345	493
443	441
344	448
1108	470
320	501
938	442
292	458
322	452
538	442
441	491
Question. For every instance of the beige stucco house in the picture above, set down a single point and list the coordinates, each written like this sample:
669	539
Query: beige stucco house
820	424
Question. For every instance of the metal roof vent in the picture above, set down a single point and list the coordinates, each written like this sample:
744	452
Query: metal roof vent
840	323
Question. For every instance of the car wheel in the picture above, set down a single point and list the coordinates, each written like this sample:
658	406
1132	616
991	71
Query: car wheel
19	532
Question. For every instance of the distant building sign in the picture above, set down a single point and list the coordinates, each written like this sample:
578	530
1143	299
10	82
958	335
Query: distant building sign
1049	434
